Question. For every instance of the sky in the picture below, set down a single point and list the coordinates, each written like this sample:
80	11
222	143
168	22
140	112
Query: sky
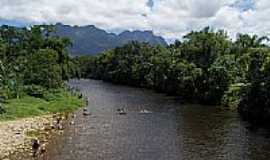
171	19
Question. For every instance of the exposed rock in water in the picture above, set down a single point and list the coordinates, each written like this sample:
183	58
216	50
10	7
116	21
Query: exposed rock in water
86	112
121	111
144	111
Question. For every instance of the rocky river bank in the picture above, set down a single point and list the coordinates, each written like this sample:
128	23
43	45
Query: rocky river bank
18	137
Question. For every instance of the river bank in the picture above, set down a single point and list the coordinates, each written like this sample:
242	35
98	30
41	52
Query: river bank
16	136
30	119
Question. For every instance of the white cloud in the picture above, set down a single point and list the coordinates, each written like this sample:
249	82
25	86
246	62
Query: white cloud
169	18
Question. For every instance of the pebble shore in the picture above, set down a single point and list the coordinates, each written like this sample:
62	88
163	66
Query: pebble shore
15	138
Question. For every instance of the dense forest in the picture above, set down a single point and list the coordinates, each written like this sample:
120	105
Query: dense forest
33	63
206	67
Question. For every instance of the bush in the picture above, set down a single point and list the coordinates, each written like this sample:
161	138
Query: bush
232	96
2	110
3	95
35	91
254	105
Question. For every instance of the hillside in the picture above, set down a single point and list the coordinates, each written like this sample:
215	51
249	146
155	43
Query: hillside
91	40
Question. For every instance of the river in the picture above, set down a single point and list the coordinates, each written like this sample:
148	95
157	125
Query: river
156	127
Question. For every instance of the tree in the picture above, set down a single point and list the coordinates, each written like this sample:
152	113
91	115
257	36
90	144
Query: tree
206	67
255	102
44	69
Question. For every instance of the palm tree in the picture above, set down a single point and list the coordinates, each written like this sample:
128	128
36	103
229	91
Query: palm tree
248	41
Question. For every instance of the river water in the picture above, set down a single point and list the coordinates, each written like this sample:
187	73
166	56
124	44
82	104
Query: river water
156	127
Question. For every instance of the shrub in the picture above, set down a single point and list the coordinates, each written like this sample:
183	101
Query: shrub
2	110
254	104
35	91
3	95
232	96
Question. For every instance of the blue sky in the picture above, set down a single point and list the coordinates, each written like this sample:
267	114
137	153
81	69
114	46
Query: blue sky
12	22
169	18
244	5
150	3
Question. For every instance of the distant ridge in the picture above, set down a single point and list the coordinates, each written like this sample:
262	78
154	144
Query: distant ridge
92	40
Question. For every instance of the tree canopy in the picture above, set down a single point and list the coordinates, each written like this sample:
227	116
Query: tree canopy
32	56
206	67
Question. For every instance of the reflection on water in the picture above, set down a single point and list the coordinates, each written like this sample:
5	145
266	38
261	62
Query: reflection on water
210	133
171	131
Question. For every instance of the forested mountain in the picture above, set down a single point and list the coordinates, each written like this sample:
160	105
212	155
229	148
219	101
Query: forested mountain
91	40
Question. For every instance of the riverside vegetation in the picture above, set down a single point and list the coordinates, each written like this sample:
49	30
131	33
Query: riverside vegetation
207	67
34	65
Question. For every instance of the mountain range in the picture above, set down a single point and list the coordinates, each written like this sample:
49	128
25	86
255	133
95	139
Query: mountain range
90	40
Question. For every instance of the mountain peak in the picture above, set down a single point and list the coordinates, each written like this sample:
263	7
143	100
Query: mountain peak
91	40
149	32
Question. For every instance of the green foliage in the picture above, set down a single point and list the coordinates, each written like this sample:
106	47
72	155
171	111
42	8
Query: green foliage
203	47
231	97
244	42
254	104
206	67
33	61
85	64
32	56
192	69
10	84
35	91
2	110
44	70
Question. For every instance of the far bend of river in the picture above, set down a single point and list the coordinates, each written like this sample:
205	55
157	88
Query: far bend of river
172	131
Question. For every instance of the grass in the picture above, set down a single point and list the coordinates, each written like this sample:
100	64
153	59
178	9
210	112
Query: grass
61	101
